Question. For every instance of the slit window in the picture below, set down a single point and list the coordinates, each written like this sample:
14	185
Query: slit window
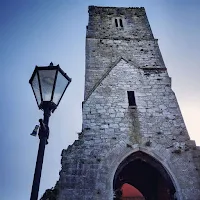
121	23
131	98
116	23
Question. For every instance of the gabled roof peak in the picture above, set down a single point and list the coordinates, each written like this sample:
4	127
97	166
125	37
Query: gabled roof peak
107	72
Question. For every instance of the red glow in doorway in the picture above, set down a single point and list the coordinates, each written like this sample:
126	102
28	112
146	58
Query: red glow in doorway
130	191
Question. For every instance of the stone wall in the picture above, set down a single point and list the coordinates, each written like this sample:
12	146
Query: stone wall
101	54
101	23
112	130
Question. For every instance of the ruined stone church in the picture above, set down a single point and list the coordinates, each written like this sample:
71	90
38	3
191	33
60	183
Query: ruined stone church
133	131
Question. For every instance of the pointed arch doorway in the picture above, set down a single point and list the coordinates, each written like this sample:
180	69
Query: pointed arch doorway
145	174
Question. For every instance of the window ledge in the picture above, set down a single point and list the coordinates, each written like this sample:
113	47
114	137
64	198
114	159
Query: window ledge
132	107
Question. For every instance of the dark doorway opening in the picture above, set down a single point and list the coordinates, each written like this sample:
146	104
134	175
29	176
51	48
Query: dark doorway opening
146	174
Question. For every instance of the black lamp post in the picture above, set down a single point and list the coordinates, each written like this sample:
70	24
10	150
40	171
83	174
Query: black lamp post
49	84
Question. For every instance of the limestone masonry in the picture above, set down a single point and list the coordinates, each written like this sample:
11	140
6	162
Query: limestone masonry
133	130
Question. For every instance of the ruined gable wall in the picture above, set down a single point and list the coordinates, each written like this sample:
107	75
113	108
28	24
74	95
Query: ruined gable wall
111	131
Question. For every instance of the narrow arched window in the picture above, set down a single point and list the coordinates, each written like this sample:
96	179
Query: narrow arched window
121	23
116	23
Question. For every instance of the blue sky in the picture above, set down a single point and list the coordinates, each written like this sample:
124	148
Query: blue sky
36	32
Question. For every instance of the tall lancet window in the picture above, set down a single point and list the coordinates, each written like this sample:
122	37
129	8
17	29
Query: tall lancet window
121	23
116	22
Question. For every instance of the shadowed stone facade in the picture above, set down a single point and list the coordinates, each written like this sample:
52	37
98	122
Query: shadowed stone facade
120	59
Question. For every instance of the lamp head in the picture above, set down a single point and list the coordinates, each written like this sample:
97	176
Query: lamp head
49	84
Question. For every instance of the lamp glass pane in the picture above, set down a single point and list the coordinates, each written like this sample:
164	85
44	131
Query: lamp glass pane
61	84
47	78
36	89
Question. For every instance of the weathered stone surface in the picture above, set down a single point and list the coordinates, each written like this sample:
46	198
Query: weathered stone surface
120	60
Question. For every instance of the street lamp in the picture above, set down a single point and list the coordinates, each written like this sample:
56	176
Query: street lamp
49	84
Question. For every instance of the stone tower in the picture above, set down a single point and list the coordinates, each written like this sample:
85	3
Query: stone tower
133	131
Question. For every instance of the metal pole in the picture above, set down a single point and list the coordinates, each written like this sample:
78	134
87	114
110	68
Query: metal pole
43	136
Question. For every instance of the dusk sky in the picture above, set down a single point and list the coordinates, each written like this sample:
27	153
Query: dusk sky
37	32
